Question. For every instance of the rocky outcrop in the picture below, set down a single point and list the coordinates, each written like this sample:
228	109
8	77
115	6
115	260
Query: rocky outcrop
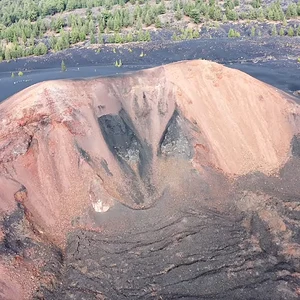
175	182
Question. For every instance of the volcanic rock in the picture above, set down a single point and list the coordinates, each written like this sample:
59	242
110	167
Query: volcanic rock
178	182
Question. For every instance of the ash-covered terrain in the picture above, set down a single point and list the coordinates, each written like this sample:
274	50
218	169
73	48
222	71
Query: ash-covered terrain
272	60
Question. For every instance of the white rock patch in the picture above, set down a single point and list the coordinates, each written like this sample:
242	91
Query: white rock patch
100	207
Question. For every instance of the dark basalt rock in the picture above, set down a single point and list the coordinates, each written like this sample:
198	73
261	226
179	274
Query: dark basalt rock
186	250
296	146
174	141
18	243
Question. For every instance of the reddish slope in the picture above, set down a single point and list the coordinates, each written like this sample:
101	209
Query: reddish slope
233	121
68	146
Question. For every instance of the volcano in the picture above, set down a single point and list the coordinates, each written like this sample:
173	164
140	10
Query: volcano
177	182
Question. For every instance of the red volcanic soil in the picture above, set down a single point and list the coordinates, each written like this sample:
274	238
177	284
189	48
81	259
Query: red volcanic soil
72	150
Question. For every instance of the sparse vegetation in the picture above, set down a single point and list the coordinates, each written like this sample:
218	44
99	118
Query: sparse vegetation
35	27
186	34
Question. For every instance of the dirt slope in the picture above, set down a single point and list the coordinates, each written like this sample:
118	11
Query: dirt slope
178	134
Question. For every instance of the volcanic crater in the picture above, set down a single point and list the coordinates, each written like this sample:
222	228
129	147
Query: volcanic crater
177	182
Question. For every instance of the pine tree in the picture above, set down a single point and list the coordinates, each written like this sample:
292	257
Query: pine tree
196	34
231	15
82	35
174	37
117	23
140	36
139	24
224	19
63	66
158	23
31	41
119	63
291	32
74	37
178	14
111	39
162	8
270	14
24	38
231	33
284	23
147	36
91	26
118	38
92	38
126	18
100	38
281	31
195	15
260	15
7	53
291	11
274	30
129	37
85	28
40	49
148	20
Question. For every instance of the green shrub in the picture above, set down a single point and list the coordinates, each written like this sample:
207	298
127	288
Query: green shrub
232	33
118	63
20	73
